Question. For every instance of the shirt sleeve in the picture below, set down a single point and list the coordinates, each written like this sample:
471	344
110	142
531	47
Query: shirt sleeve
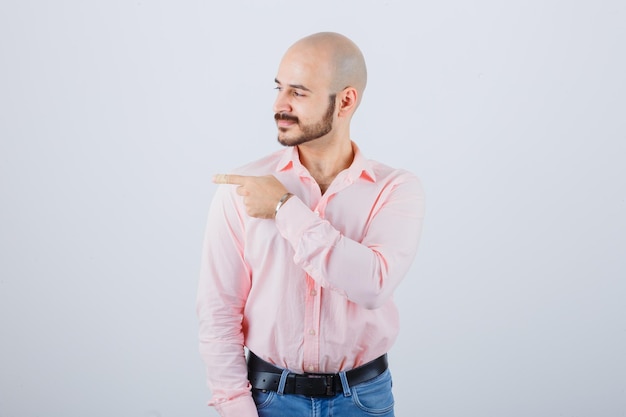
223	288
366	272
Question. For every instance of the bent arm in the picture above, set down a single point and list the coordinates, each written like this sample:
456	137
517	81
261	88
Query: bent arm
367	272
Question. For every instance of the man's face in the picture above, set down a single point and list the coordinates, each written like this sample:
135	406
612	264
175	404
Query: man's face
304	108
292	131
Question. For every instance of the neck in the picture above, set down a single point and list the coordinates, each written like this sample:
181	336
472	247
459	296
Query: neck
325	160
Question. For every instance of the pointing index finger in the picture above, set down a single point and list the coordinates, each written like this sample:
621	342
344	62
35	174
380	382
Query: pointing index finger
228	179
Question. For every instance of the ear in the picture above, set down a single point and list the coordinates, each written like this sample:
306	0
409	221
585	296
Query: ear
348	101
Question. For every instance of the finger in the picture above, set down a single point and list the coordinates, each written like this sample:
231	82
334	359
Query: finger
242	191
229	179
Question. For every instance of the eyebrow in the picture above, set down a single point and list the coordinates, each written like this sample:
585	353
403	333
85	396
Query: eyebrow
296	86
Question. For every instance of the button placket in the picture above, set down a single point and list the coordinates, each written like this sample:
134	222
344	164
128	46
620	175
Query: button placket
311	326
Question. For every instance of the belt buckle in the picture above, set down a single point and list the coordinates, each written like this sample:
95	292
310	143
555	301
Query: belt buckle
329	382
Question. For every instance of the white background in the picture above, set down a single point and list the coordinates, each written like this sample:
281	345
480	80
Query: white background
115	114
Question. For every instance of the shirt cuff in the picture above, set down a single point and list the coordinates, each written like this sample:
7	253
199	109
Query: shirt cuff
293	218
239	407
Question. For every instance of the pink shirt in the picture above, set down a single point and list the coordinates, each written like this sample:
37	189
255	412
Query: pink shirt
310	290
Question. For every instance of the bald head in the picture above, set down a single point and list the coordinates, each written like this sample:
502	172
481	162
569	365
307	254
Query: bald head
343	59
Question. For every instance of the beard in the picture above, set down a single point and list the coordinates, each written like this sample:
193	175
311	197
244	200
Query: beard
310	131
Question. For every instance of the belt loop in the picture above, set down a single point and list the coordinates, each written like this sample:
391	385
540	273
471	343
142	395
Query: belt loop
283	381
344	384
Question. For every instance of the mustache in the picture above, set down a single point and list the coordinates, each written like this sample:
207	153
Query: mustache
285	116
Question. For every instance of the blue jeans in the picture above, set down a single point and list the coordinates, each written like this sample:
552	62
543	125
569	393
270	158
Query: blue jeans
370	398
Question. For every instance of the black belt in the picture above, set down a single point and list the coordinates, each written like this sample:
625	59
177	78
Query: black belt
265	376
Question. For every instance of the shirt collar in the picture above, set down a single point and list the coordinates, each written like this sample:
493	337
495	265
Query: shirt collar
361	167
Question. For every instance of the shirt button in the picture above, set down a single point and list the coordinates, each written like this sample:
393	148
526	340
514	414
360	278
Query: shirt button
311	368
313	293
317	213
312	332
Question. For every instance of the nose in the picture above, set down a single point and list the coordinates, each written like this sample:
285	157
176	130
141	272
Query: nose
282	104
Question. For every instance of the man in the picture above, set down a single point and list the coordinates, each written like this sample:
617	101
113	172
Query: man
303	251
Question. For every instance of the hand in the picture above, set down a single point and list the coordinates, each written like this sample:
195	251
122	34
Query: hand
260	194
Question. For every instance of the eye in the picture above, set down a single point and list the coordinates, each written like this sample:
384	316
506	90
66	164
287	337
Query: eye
278	88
